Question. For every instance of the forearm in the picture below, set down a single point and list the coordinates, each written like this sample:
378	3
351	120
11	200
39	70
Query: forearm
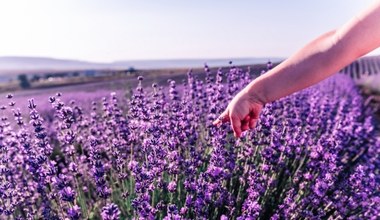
320	58
314	62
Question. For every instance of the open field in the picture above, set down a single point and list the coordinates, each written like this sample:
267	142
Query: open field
151	152
363	71
118	81
189	110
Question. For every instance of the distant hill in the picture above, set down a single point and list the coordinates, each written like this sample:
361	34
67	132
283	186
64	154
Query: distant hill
12	65
17	65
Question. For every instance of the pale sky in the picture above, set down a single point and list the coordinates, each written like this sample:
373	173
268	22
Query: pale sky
110	30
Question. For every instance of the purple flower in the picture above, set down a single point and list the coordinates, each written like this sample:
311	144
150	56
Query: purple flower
67	194
110	212
74	212
154	151
172	186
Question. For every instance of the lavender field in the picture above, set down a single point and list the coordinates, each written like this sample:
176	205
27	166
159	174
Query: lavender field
156	155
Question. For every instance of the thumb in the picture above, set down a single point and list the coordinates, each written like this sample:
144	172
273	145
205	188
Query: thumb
223	118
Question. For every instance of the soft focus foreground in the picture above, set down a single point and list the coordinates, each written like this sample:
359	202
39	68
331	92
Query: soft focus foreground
156	155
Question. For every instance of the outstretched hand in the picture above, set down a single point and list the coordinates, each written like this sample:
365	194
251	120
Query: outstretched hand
242	112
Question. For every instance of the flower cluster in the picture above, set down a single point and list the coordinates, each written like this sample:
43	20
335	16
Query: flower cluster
156	155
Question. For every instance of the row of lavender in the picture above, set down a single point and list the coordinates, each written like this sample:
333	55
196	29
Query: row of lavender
156	156
362	67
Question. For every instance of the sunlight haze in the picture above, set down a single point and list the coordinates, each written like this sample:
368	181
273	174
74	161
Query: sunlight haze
106	31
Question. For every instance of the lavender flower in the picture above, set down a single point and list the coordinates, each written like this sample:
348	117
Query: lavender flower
154	154
110	212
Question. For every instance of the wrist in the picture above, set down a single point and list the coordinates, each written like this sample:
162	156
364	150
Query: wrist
256	93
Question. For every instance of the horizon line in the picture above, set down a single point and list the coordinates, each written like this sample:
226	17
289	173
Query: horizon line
141	59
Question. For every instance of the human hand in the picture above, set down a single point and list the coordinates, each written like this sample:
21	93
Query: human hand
242	112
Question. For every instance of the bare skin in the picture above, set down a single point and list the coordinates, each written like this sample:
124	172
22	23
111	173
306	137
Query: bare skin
315	62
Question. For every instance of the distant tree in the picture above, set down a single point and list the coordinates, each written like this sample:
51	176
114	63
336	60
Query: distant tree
24	81
131	69
47	75
35	78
